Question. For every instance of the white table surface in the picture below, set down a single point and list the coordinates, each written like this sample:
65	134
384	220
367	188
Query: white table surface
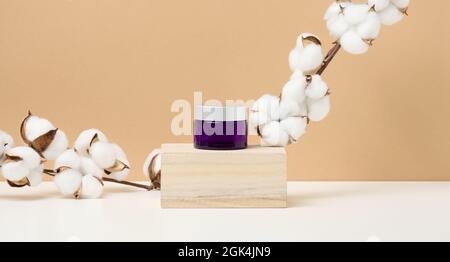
318	211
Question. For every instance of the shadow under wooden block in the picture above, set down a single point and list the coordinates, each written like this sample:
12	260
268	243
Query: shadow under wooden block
252	177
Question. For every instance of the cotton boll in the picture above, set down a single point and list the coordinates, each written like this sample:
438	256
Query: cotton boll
332	11
120	154
352	43
293	59
294	126
6	138
103	154
379	4
296	75
273	134
57	146
258	118
30	158
120	175
82	143
391	15
35	176
154	159
318	109
6	143
370	28
294	90
260	104
68	158
34	127
15	171
400	3
91	187
88	166
34	179
356	13
68	181
292	96
317	88
152	167
267	105
310	54
337	26
290	108
335	9
123	172
310	58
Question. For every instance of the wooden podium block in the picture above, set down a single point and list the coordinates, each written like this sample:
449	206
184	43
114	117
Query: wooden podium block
193	178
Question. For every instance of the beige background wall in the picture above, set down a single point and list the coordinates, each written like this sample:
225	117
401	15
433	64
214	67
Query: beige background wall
118	64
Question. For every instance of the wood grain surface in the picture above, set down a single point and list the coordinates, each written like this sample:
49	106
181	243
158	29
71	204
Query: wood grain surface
253	177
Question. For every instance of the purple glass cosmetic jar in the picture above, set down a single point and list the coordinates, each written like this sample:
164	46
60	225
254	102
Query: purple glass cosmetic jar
220	128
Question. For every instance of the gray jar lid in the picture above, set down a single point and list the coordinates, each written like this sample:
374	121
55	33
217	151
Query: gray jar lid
220	113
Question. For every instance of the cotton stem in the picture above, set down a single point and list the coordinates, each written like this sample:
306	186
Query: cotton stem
51	172
329	57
